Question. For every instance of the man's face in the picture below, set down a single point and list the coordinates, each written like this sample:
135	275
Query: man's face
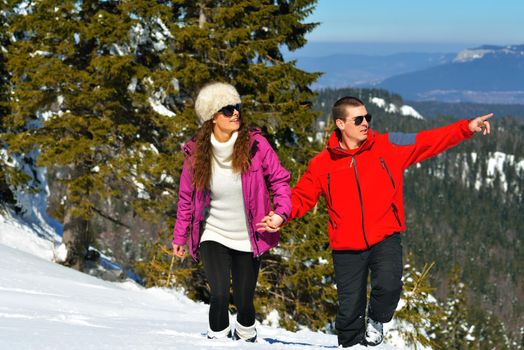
354	135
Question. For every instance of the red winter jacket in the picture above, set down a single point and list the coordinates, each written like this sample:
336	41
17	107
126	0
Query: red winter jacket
363	186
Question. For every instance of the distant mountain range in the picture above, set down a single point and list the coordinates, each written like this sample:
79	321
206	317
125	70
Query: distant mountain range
487	74
345	70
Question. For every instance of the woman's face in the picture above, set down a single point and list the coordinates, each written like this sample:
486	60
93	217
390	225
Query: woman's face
224	124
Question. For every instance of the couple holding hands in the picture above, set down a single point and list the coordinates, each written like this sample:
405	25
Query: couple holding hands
225	216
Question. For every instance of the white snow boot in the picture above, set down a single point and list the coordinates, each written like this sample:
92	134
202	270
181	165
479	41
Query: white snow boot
374	332
220	335
248	334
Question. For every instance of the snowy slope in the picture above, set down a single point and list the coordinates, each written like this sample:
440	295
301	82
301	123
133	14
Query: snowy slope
392	108
46	306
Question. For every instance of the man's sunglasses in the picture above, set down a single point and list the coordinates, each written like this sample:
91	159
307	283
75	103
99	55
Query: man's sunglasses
358	120
229	110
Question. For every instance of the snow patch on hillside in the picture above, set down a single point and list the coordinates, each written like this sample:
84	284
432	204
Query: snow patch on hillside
18	235
496	164
392	108
410	111
33	203
469	55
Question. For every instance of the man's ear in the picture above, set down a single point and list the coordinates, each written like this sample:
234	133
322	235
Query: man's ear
340	124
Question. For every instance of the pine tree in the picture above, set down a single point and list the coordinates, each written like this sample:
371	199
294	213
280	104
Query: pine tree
4	46
489	332
521	333
240	42
10	175
84	85
298	279
457	332
6	195
416	320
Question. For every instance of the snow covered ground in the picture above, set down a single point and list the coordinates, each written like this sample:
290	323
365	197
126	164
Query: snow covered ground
44	305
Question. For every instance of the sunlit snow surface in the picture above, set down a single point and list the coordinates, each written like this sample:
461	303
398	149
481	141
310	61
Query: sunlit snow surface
44	305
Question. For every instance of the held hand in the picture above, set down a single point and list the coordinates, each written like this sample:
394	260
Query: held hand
275	221
270	223
481	124
179	250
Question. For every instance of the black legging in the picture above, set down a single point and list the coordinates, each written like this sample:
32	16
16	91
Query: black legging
220	262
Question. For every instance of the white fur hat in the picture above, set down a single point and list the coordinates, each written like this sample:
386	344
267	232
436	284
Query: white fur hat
212	98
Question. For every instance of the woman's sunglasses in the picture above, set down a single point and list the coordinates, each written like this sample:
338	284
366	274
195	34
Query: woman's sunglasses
358	120
229	110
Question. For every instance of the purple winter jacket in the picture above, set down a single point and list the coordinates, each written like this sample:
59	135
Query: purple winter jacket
264	175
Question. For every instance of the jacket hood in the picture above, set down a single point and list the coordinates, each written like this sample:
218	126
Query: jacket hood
189	146
333	145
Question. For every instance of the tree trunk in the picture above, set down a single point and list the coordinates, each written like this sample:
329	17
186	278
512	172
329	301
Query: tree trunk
77	236
77	239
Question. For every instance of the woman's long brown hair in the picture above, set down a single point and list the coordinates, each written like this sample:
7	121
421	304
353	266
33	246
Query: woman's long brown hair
202	170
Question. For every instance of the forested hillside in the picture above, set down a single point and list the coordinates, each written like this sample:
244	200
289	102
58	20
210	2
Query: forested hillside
433	109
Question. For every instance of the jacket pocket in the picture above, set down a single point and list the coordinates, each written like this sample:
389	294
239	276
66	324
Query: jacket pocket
330	197
385	167
332	222
395	212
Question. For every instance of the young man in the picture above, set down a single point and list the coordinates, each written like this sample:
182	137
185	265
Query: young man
360	173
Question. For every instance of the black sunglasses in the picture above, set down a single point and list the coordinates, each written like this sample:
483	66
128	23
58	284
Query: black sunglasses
358	120
229	110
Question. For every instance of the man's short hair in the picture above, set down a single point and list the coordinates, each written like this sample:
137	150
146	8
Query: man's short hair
339	108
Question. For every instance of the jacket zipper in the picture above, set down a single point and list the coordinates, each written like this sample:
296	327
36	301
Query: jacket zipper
191	223
255	232
329	189
201	222
192	214
395	212
249	216
387	170
354	162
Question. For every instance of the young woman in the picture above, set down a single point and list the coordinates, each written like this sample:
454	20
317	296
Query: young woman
226	179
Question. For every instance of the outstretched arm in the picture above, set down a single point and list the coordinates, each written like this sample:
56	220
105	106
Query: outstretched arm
414	148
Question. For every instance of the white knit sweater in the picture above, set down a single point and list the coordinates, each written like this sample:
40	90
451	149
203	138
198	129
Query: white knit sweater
226	223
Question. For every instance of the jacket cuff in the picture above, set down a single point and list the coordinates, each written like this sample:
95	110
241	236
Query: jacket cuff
179	240
283	215
464	126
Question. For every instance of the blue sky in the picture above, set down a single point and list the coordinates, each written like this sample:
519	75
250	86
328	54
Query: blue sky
425	21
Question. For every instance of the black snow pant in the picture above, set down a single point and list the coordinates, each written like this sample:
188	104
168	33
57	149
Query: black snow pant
384	261
220	264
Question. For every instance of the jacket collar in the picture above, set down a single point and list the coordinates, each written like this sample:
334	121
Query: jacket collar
190	145
333	145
